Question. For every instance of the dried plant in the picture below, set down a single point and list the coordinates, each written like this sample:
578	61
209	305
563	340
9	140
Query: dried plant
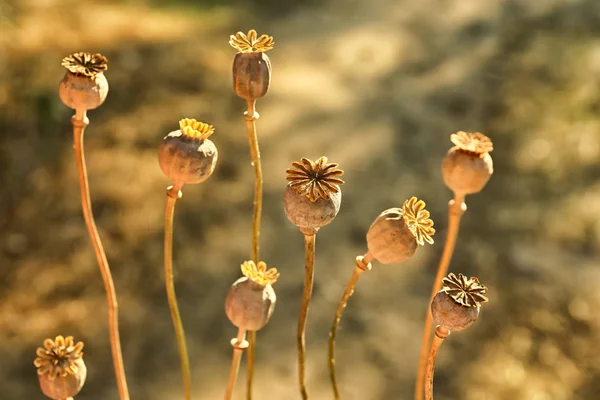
454	308
466	169
249	305
251	78
311	200
392	238
60	367
186	156
84	87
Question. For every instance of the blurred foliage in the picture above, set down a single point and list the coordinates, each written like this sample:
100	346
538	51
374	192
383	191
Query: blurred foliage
378	88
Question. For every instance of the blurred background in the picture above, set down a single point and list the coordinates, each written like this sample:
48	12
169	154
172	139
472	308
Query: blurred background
378	87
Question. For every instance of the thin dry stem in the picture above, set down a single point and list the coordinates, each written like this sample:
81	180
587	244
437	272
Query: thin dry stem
441	333
238	344
456	208
251	116
174	193
361	266
309	276
80	121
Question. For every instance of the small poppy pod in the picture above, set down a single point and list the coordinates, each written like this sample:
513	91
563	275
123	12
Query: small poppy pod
457	305
451	315
468	165
251	66
187	155
307	215
389	239
312	197
60	366
395	234
251	299
84	86
251	75
63	387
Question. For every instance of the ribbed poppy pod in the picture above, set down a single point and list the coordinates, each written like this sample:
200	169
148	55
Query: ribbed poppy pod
457	305
84	86
251	299
60	367
312	197
396	233
468	165
186	155
251	66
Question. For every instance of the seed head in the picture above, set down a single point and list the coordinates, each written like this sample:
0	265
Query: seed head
457	305
187	155
84	86
312	197
417	219
251	43
60	367
315	179
468	165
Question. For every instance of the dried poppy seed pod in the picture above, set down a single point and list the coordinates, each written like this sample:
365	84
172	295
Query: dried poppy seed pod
187	155
84	86
251	66
251	300
312	197
395	234
457	305
60	367
468	165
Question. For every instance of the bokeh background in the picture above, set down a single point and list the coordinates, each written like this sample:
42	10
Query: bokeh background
377	86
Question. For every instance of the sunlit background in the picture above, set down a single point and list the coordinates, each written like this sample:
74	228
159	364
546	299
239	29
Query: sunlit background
378	87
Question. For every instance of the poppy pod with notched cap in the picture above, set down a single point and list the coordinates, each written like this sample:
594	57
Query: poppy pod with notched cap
84	86
251	66
312	197
395	234
187	155
457	305
251	299
60	367
468	165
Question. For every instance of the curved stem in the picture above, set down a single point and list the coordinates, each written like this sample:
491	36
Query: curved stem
251	116
174	193
309	276
80	121
362	265
441	333
239	344
456	208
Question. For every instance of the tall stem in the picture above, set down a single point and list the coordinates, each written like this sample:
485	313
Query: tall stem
309	276
80	121
362	265
251	116
174	193
456	208
239	344
441	333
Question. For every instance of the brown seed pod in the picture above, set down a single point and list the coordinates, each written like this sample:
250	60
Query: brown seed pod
312	197
457	305
468	165
251	66
84	86
395	234
251	299
187	155
60	367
